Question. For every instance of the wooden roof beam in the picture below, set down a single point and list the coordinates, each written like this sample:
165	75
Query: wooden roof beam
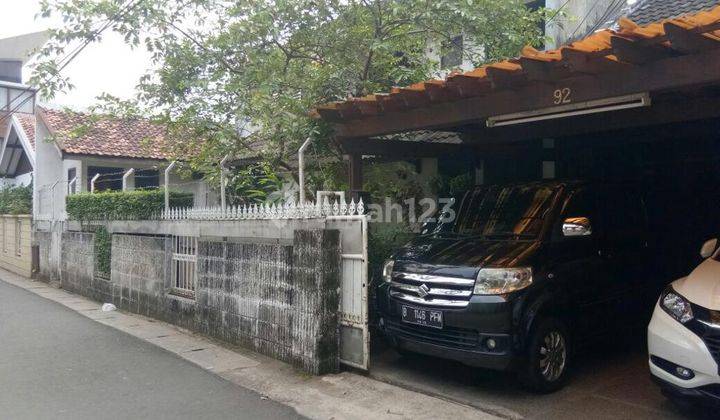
467	86
329	113
502	78
366	106
662	75
634	52
390	103
588	63
437	92
544	71
413	98
349	110
688	41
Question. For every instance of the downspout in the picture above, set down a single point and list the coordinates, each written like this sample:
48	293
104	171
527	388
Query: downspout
222	181
167	185
301	168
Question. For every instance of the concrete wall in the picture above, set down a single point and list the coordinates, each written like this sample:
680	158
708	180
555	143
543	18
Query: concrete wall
48	239
15	252
279	298
77	263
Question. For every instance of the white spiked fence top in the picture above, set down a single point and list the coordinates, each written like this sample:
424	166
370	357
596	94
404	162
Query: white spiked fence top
288	210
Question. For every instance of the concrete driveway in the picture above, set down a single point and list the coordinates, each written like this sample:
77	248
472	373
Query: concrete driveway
56	363
610	382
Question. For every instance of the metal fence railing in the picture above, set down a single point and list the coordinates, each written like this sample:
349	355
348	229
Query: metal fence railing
288	210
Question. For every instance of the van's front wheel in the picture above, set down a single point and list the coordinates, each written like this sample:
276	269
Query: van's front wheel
547	358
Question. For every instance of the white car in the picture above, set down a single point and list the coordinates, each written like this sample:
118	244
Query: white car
684	333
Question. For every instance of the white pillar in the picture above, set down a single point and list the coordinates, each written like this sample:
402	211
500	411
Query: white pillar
223	175
167	184
301	168
128	184
92	182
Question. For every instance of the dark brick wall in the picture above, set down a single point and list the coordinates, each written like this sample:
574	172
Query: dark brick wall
280	300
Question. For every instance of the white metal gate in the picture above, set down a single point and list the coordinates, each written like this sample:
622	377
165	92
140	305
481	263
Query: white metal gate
354	335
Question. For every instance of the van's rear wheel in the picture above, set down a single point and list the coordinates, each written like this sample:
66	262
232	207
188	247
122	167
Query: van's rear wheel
547	357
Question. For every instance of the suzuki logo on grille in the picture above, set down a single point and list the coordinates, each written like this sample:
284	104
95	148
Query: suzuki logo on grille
423	290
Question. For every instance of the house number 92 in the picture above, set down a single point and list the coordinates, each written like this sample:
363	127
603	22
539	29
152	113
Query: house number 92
562	96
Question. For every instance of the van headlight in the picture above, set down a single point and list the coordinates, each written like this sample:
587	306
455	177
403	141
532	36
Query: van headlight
387	270
497	281
676	306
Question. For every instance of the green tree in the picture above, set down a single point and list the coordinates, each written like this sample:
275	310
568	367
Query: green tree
223	65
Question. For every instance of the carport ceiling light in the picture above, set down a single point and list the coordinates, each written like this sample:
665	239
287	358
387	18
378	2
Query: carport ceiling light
571	110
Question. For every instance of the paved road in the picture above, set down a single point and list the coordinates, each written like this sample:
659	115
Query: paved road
55	363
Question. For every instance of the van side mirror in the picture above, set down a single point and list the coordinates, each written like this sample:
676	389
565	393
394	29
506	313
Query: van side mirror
708	248
576	226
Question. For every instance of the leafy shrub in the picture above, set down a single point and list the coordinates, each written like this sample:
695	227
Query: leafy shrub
123	205
456	185
16	200
103	249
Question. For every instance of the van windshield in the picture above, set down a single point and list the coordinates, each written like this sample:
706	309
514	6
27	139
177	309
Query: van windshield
517	210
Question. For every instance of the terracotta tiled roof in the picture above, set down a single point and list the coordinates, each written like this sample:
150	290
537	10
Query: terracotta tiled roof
425	136
27	122
90	134
648	11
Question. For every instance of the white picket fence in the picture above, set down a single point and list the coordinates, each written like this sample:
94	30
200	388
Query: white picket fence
288	210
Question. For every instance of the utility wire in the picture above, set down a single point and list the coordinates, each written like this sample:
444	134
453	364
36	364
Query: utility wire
587	15
611	11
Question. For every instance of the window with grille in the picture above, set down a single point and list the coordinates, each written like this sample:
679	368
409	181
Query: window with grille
184	263
18	237
452	53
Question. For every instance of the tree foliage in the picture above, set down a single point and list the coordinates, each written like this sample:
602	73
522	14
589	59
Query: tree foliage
244	73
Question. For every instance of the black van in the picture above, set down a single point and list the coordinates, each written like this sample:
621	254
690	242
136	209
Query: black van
518	275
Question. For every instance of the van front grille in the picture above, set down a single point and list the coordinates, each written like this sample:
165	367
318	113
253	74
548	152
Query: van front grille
431	290
448	336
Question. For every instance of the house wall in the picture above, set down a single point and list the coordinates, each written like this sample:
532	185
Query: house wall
279	297
580	17
50	201
203	195
49	197
19	181
15	244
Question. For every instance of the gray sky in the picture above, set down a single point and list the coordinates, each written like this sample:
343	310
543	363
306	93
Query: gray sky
108	66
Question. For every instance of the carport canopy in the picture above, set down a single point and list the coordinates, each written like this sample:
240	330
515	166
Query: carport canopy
631	76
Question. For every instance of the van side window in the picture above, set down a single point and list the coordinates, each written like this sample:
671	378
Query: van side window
623	214
581	204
